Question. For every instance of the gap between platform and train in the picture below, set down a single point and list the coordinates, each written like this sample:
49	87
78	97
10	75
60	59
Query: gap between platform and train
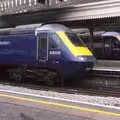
59	104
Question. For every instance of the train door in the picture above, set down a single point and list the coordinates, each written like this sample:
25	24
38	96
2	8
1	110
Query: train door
97	46
115	48
42	47
107	46
54	48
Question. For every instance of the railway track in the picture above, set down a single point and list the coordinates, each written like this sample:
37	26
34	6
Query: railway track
96	83
100	91
106	78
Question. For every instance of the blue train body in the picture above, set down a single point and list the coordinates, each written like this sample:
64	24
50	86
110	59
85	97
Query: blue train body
18	49
52	47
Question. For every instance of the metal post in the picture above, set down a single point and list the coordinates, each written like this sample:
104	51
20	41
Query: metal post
90	45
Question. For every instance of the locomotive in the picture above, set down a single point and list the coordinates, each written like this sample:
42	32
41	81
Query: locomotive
48	53
106	45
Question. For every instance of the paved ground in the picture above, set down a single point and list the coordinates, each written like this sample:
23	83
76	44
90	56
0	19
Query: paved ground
19	107
14	111
10	111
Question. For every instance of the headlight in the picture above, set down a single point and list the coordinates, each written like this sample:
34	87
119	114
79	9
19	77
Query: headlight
82	58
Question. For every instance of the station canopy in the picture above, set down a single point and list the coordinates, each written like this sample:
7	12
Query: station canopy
70	12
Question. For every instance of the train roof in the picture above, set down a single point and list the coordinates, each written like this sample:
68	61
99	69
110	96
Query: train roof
54	28
114	34
19	29
33	28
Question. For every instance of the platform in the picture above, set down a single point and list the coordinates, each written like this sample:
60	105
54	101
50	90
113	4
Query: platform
25	107
107	65
109	69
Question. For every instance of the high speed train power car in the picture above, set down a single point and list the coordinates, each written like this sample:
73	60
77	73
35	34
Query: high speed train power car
106	45
43	52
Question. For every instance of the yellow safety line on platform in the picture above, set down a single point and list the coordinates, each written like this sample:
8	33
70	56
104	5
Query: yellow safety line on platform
60	105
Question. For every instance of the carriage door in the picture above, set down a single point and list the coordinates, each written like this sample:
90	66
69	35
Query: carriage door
42	47
107	46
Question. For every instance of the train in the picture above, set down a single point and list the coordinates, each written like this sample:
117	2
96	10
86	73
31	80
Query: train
44	52
106	45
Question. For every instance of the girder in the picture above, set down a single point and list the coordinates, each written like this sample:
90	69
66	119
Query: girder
24	6
71	12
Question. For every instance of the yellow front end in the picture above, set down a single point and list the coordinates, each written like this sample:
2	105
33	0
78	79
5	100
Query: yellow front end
75	50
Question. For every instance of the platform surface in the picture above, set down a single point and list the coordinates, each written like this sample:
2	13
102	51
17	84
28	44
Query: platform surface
107	65
24	107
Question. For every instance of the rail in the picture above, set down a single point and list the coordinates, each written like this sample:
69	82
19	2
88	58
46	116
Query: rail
95	83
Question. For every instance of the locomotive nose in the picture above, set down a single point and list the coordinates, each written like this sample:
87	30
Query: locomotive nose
83	51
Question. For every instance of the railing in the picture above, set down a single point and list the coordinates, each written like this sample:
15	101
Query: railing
21	6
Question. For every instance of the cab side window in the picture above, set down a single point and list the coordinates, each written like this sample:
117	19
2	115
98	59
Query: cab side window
54	41
43	40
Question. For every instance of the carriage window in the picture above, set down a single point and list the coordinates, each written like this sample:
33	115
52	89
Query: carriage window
54	41
97	42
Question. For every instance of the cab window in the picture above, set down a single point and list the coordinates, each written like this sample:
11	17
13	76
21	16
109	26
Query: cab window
75	40
42	40
54	41
115	43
